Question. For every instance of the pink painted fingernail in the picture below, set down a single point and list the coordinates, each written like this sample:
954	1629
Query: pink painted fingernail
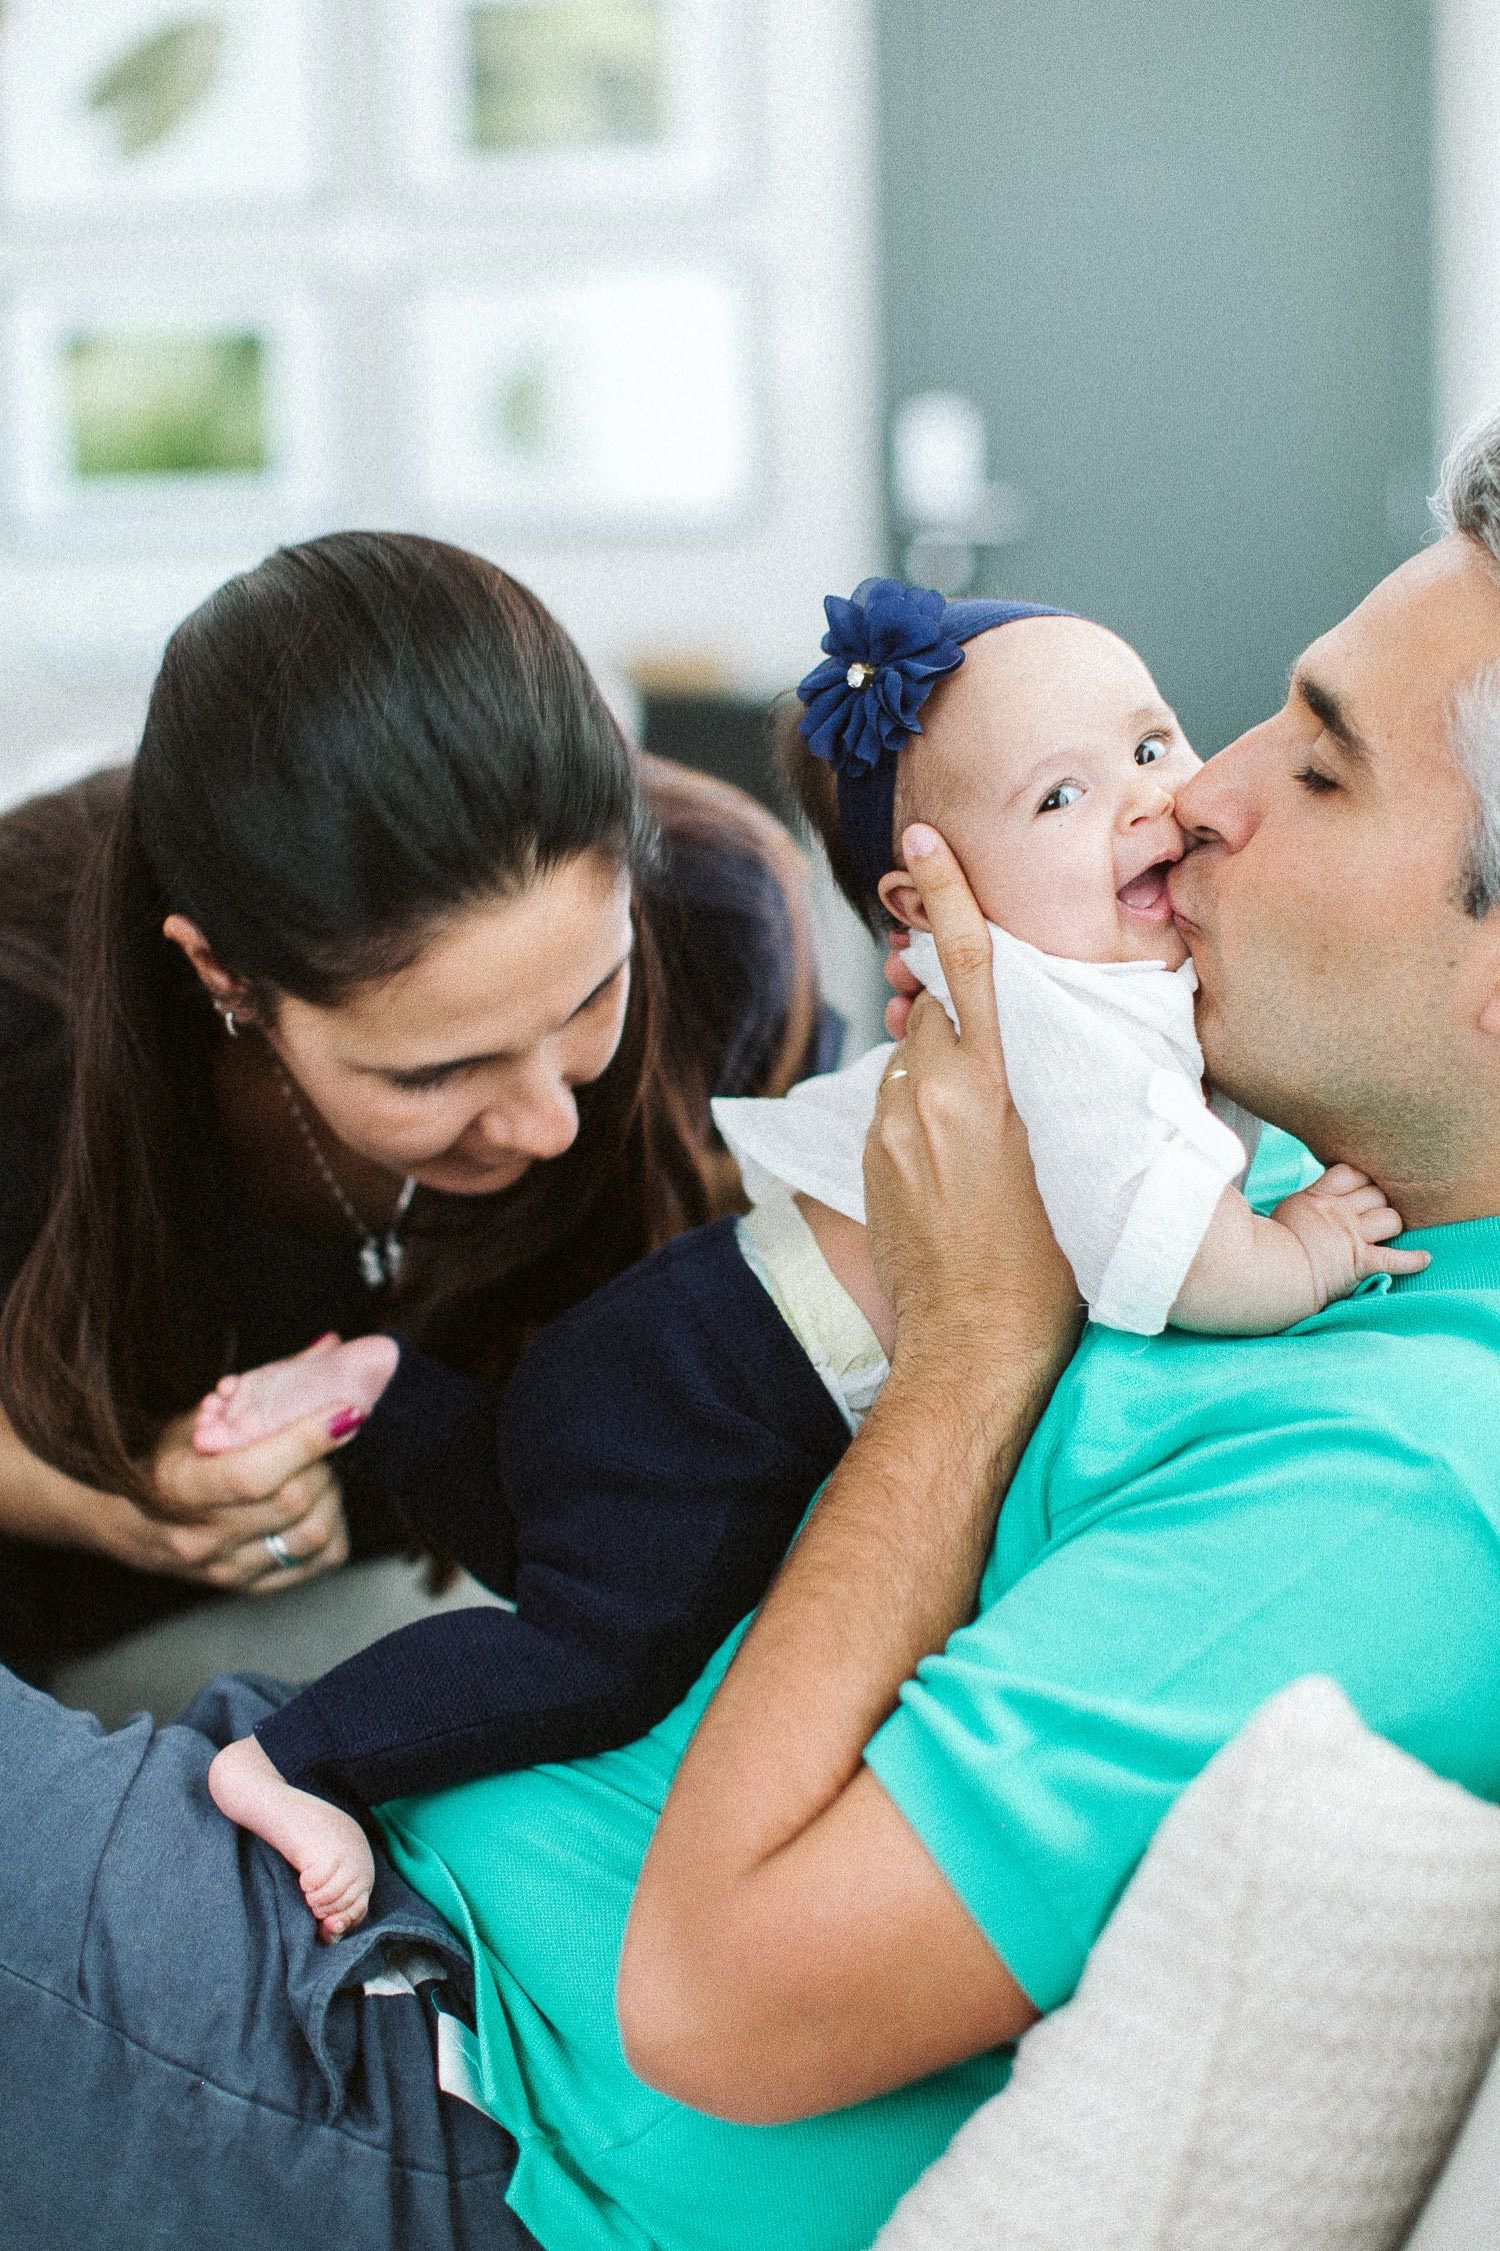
918	841
347	1419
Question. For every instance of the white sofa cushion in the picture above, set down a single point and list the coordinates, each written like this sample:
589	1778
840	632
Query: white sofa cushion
1278	2031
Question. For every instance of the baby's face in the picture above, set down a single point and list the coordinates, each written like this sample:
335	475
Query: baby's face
1050	764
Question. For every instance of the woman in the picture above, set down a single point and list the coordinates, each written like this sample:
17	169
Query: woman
387	987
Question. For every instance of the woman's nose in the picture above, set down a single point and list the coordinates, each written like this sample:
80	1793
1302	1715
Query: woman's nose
539	1117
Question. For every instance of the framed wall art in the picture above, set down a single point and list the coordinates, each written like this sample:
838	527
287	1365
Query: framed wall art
622	399
109	104
132	407
558	100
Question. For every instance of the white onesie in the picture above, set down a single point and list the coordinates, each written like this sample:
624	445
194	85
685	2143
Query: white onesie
1107	1075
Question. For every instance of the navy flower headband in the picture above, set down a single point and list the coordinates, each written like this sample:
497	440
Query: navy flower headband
887	648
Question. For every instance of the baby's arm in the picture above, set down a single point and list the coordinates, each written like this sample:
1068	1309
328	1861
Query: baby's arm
1253	1274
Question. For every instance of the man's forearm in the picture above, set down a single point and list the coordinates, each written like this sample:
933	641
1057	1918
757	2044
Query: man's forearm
736	1990
884	1572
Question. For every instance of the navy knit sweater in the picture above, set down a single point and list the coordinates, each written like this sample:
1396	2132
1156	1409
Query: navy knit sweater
633	1488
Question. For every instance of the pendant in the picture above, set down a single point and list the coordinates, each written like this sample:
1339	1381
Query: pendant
372	1265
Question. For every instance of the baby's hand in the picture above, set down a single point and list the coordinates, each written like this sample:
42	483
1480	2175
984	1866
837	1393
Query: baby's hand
326	1377
1342	1221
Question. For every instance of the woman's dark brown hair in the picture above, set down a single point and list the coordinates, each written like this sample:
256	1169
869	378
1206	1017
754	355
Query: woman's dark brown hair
343	747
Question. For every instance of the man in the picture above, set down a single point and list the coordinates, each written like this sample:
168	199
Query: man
846	1892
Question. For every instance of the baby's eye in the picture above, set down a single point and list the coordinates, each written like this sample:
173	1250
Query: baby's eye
1066	793
1152	748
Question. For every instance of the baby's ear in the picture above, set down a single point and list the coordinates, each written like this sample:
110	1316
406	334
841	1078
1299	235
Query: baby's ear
900	897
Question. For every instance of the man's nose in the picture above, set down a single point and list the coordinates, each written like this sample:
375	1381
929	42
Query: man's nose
1217	805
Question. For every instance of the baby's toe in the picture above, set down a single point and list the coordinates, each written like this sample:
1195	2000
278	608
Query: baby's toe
323	1888
210	1431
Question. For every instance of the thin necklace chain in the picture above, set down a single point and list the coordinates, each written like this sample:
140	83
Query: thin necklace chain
380	1256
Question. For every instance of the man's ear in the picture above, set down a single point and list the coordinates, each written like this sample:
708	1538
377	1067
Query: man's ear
900	897
223	989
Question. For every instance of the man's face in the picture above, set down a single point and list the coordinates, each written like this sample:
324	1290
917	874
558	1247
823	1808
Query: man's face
1342	981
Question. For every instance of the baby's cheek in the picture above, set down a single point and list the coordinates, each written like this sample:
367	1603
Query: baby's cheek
1061	907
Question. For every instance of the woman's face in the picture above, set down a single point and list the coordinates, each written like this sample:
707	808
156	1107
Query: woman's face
460	1069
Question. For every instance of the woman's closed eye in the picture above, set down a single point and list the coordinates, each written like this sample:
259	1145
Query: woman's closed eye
1314	779
1057	800
418	1082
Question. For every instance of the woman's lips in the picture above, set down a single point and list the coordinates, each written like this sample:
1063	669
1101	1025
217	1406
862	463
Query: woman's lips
1145	895
455	1175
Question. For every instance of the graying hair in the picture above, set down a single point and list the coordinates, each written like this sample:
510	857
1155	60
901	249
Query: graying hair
1468	501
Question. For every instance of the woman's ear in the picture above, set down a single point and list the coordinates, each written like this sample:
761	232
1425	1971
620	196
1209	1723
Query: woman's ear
900	897
224	990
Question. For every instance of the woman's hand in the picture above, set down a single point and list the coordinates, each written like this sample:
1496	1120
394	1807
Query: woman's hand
213	1517
959	1237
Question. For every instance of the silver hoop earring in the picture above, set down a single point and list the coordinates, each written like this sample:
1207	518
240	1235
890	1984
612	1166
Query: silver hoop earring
226	1016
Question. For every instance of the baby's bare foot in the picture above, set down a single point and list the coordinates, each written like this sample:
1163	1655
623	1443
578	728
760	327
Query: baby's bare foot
327	1376
327	1847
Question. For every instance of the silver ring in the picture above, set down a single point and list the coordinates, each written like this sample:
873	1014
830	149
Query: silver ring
280	1553
900	1072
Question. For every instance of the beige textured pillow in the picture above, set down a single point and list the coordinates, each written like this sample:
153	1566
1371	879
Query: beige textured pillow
1277	2033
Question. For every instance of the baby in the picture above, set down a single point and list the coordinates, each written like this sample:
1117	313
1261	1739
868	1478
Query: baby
1051	770
1050	764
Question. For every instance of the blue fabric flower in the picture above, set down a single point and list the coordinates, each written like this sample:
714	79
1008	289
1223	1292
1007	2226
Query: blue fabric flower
886	650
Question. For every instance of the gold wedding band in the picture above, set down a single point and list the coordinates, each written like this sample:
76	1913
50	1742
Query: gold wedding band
280	1553
900	1072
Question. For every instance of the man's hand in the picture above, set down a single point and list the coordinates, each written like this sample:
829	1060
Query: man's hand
960	1241
903	984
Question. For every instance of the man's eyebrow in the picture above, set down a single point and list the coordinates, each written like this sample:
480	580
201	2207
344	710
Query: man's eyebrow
496	1055
1331	716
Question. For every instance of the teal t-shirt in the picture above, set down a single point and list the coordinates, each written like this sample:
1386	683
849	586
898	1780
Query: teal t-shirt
1196	1522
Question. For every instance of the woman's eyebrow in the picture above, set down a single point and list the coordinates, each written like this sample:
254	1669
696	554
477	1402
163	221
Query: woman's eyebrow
1332	716
494	1055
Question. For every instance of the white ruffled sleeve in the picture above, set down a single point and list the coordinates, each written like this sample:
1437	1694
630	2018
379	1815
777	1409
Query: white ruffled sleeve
811	1140
1191	1158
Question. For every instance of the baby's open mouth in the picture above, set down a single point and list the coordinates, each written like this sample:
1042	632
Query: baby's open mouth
1146	894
